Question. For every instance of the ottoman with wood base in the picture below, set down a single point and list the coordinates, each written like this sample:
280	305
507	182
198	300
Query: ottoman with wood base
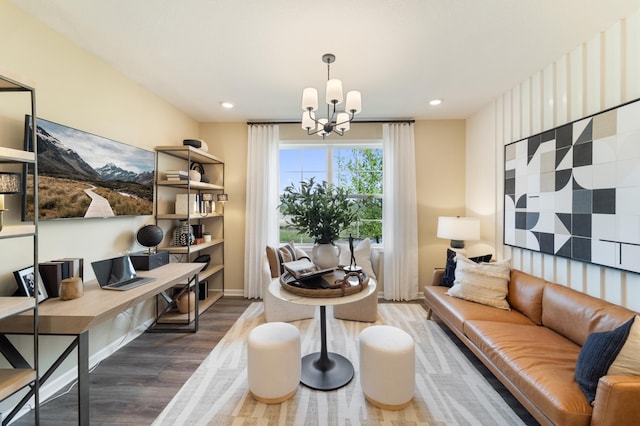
273	362
387	366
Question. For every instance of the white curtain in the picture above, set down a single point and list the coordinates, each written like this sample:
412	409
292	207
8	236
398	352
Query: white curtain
262	201
400	213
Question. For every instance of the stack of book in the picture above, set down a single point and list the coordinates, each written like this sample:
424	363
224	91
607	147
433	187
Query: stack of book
53	272
177	175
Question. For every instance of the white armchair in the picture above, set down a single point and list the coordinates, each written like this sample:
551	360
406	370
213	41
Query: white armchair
279	310
365	310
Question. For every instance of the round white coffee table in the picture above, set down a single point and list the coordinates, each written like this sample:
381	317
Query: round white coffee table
323	370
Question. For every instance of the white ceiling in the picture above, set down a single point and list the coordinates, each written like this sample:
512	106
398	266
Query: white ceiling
260	54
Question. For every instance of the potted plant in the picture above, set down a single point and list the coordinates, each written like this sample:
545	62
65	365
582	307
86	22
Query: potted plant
322	211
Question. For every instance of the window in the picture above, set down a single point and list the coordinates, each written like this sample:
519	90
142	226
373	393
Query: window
357	167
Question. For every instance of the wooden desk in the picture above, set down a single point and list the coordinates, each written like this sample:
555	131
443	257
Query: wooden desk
76	317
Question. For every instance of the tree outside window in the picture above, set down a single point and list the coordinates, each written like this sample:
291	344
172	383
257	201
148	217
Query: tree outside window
356	168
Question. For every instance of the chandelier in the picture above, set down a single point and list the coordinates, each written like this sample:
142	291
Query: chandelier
337	121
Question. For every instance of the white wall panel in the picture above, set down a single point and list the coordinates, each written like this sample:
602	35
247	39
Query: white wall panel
536	104
525	109
577	65
516	114
631	57
593	73
561	94
612	286
548	97
612	61
631	291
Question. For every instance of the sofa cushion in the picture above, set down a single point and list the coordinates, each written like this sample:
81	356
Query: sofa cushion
539	362
485	283
596	356
575	315
456	311
362	253
448	276
628	362
278	256
525	294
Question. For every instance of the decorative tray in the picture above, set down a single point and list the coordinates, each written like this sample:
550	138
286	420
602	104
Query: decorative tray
333	284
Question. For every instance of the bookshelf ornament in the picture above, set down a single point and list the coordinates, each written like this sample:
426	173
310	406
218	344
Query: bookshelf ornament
353	267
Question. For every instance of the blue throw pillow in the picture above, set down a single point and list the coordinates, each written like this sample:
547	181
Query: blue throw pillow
596	356
449	274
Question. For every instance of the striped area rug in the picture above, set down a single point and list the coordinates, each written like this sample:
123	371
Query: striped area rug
449	391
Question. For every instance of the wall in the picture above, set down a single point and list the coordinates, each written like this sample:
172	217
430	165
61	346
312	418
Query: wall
78	90
600	73
440	175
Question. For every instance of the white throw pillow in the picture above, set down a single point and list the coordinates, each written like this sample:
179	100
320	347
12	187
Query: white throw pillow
485	283
627	362
362	253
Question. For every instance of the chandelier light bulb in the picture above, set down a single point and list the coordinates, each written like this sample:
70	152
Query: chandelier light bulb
342	122
308	120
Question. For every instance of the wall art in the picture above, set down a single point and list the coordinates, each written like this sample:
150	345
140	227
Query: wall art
574	191
82	175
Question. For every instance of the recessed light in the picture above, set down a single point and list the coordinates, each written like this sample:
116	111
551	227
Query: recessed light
227	105
435	102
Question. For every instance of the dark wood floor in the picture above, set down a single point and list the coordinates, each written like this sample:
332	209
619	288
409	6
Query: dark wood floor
133	385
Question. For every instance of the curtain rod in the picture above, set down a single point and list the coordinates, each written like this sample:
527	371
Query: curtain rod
254	123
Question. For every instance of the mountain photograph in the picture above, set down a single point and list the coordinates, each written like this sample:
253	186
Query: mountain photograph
81	175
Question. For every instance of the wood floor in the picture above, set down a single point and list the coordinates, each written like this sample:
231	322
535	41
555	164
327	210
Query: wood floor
133	385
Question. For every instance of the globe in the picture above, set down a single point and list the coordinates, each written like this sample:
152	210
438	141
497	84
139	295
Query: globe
150	235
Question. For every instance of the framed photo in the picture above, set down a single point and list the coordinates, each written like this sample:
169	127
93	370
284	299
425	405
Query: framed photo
26	280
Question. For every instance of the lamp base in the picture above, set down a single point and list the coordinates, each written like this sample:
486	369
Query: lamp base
2	217
457	244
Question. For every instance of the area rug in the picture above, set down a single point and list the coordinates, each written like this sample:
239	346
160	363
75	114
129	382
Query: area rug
449	390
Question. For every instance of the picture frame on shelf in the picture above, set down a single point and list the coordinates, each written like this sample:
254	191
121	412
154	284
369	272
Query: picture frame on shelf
25	278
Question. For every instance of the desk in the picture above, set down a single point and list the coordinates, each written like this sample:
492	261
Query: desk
76	317
323	370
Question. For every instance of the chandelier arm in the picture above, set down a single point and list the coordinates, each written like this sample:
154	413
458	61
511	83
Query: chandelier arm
347	121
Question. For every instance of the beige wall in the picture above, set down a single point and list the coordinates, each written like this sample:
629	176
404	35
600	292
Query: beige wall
600	73
78	90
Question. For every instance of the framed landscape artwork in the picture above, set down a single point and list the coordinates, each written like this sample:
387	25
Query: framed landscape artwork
81	175
574	191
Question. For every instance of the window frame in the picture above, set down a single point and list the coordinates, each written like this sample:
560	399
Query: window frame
330	146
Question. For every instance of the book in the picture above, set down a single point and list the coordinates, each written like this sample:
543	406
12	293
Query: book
303	269
73	267
51	274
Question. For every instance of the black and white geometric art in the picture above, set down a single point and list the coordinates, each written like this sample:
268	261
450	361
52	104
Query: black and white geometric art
574	191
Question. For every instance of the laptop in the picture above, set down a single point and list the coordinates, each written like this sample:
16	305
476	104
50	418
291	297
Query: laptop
118	274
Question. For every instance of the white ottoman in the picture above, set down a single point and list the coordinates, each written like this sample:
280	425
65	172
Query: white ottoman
387	366
273	362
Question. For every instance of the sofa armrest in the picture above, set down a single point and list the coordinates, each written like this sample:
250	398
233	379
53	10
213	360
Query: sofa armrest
437	276
616	401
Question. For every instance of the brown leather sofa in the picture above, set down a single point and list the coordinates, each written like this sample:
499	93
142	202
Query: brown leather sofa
533	348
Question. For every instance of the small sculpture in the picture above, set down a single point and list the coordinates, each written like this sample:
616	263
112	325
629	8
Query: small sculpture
353	267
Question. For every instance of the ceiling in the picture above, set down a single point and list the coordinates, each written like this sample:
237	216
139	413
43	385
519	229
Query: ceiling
260	54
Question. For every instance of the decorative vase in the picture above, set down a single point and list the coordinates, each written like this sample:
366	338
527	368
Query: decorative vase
182	235
186	302
325	255
71	288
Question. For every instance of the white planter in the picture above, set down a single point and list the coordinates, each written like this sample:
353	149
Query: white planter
325	255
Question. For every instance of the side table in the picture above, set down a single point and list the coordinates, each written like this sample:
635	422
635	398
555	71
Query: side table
323	370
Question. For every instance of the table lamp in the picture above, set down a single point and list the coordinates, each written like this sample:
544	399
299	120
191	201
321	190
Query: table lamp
458	230
10	183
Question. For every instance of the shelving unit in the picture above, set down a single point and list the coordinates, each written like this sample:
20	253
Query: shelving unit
182	158
23	375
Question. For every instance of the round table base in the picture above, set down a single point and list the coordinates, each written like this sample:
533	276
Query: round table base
325	374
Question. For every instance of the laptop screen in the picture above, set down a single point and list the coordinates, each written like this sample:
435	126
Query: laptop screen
115	270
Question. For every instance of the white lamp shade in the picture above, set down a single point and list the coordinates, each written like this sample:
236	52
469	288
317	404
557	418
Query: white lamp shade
354	102
308	120
459	228
342	122
309	99
334	91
